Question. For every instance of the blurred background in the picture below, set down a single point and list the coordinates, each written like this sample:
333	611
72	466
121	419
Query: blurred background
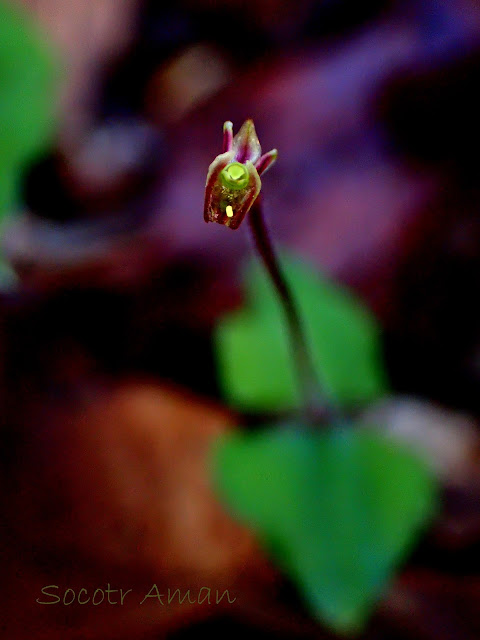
111	285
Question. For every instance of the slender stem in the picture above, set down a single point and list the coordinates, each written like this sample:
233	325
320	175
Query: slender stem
315	403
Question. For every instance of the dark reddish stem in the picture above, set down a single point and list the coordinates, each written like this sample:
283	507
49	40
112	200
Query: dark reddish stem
315	403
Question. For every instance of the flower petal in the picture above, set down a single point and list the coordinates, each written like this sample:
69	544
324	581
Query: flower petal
266	161
227	136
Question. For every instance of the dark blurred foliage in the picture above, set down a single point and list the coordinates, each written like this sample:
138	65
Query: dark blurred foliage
147	305
243	32
432	119
431	115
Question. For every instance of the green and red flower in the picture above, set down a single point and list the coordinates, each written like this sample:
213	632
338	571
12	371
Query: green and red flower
233	179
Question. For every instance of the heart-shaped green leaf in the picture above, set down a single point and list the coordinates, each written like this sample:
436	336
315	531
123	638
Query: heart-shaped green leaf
253	349
27	97
338	510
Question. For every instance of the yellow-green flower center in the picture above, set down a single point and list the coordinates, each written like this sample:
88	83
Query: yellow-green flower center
235	176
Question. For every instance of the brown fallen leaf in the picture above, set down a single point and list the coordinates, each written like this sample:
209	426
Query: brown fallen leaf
115	490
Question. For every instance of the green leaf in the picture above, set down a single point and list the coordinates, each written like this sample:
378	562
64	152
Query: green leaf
338	510
27	97
8	187
253	349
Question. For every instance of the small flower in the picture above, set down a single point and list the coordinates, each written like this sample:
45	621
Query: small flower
233	179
